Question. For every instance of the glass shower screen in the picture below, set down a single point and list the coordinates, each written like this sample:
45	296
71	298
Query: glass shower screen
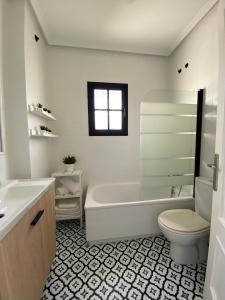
167	145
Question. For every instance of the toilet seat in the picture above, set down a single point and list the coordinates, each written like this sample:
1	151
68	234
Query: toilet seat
184	221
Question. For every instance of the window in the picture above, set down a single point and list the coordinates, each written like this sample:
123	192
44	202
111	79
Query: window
107	108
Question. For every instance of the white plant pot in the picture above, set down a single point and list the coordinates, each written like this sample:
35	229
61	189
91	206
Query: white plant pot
69	168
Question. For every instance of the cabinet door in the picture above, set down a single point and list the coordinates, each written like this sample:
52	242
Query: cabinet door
22	257
50	206
48	230
3	282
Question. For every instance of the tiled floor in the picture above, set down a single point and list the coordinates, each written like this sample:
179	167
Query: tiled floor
132	269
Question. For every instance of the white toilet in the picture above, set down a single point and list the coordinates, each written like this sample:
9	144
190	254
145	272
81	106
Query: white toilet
187	230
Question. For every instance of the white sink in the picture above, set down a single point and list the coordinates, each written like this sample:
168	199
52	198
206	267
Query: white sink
13	197
17	198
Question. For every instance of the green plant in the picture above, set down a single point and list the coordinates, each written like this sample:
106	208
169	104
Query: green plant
42	127
45	128
68	160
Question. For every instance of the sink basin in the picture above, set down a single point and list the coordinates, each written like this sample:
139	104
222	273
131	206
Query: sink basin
18	193
34	182
17	198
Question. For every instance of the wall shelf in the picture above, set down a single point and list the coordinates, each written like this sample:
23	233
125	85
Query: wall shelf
76	172
46	135
70	196
39	112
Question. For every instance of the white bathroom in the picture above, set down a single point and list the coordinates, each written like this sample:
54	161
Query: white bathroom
112	149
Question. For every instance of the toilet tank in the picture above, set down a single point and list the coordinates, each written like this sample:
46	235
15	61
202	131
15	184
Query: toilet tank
203	197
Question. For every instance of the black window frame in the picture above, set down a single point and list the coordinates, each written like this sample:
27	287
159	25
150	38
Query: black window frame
91	86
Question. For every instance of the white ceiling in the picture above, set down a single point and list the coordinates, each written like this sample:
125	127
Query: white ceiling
136	26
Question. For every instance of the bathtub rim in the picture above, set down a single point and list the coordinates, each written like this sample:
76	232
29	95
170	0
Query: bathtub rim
91	204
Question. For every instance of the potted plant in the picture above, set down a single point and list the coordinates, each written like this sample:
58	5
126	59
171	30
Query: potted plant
39	106
43	129
69	162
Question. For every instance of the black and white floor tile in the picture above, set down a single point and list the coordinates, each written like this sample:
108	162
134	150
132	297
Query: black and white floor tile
130	269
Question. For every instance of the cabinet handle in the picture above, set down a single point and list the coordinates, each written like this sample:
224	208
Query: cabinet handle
215	167
37	218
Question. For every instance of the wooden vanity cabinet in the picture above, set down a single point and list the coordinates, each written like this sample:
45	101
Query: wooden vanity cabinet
27	252
49	228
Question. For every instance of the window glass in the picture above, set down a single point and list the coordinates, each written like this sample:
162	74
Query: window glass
115	120
100	99
115	99
101	120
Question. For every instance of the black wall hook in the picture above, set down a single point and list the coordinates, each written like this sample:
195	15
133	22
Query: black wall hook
186	65
179	71
36	38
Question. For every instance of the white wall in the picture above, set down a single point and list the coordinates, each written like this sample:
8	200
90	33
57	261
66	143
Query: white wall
104	159
35	63
14	84
24	70
111	159
57	77
200	50
3	157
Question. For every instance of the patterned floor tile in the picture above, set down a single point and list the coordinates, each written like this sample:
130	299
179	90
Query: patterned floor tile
139	269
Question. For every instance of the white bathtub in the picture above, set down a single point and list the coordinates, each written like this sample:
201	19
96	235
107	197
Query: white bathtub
124	210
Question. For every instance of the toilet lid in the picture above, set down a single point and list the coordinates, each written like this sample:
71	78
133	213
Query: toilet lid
184	220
